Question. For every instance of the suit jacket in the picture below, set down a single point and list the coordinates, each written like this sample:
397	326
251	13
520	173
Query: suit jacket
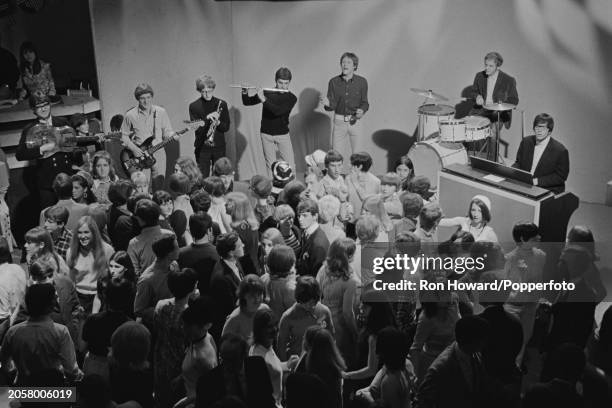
553	168
445	386
223	287
312	253
505	91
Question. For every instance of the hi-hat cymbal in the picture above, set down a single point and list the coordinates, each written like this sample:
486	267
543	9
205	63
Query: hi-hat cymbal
499	106
429	94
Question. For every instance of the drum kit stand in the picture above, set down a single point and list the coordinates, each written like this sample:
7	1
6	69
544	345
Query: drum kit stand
440	132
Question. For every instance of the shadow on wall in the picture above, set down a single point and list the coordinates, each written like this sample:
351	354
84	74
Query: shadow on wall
309	129
462	109
239	139
173	151
395	142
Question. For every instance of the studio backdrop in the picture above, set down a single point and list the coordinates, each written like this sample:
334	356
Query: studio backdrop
556	50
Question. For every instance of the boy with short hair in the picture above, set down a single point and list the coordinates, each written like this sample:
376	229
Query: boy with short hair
307	311
412	204
333	183
55	222
314	242
389	184
429	218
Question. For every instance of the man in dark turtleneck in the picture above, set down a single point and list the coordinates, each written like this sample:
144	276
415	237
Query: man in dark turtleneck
214	111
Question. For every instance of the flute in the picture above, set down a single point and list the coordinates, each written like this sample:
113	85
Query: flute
254	87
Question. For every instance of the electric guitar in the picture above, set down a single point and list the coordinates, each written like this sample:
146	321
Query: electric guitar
129	161
64	138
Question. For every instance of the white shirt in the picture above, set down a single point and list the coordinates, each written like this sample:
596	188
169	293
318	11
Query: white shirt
491	80
310	230
538	150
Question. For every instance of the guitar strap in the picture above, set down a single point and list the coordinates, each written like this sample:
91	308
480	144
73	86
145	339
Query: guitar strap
154	119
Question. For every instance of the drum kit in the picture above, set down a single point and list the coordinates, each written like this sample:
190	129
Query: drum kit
440	137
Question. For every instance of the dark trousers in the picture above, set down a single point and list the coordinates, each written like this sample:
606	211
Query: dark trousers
207	156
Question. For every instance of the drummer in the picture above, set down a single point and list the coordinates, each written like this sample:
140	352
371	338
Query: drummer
493	86
477	220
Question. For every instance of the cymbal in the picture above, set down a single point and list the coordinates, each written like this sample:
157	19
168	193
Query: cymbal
429	94
499	106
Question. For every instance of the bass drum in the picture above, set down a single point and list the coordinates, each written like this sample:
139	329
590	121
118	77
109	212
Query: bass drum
431	156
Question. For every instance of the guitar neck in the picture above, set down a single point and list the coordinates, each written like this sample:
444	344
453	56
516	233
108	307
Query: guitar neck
163	144
87	139
94	138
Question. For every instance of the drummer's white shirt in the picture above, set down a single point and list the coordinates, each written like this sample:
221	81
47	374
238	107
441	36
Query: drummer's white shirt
491	87
538	150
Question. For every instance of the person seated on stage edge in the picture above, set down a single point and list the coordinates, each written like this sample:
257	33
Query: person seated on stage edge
274	118
145	121
347	97
494	86
477	220
544	157
36	74
215	112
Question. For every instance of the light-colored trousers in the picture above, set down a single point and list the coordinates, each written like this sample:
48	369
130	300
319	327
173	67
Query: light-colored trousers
157	173
281	143
344	139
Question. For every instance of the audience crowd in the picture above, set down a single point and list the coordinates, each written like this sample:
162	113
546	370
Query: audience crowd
224	293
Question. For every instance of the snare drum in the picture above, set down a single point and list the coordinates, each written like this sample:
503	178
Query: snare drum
452	131
430	117
477	128
429	157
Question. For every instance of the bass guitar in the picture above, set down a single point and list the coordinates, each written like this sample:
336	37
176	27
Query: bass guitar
129	161
64	138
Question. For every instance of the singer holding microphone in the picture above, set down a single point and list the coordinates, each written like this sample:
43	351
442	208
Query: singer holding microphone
347	97
493	86
210	139
277	105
